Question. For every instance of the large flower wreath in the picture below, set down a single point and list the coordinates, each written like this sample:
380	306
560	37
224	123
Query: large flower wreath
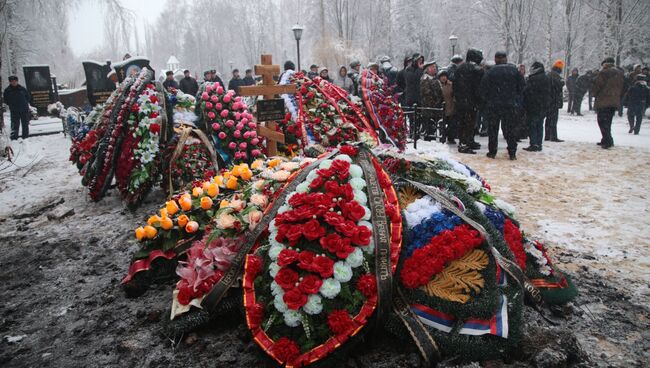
383	109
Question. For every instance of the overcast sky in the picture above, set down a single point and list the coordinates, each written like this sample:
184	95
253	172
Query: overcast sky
87	22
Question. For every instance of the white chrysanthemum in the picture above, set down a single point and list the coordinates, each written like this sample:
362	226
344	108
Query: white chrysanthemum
343	157
342	271
314	305
279	303
275	250
330	288
505	207
312	175
357	183
473	185
420	210
146	157
276	288
292	318
303	187
368	214
356	171
370	248
289	197
272	226
273	269
284	208
355	259
360	197
325	164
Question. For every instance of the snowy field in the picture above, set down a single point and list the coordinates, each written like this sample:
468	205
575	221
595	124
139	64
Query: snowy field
591	205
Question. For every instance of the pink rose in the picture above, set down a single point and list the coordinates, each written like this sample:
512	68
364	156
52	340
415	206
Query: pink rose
205	96
219	89
230	123
254	218
243	155
255	142
236	134
252	125
256	152
208	105
235	106
259	200
238	99
232	145
214	98
224	113
247	134
216	126
237	155
222	135
208	89
218	106
227	98
226	221
242	146
211	115
245	119
253	133
239	126
237	116
217	85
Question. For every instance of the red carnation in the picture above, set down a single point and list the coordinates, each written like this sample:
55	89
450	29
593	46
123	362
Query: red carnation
339	322
361	236
286	278
254	265
153	115
135	108
310	284
184	295
323	265
287	257
349	150
334	219
367	285
255	314
154	128
353	211
285	349
294	298
305	259
312	230
153	98
341	168
294	233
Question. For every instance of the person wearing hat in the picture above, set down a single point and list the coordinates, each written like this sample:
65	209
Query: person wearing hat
188	84
467	82
216	78
400	80
449	121
324	74
388	70
607	89
555	103
430	97
501	89
456	60
355	75
637	99
17	98
536	97
169	82
313	71
373	67
412	77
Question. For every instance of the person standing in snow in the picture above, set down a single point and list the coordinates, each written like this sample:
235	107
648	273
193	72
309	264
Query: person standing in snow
412	77
342	80
456	60
607	89
536	97
637	99
449	120
188	84
17	98
324	74
235	82
355	75
400	80
169	82
571	82
556	101
583	85
248	78
501	90
467	81
520	111
388	71
430	97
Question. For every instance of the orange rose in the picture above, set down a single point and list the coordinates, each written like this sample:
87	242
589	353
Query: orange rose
186	203
205	186
150	232
192	226
197	191
166	223
153	219
275	162
232	183
246	174
172	207
206	203
224	203
213	190
256	164
163	213
236	170
183	220
219	180
139	233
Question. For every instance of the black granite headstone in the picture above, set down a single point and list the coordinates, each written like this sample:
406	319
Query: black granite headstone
98	86
131	67
39	85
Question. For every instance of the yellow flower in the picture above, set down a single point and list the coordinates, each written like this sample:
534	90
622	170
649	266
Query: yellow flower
139	233
206	203
205	186
150	232
213	190
218	180
232	183
275	162
197	191
256	164
183	220
166	223
186	203
224	203
246	174
163	213
236	170
172	207
153	219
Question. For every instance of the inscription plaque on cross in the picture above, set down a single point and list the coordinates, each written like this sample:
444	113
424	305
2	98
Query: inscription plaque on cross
268	90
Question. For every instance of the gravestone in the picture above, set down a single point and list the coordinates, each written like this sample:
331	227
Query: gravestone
98	86
131	67
39	84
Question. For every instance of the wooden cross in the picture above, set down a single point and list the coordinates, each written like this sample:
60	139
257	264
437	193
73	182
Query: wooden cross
268	90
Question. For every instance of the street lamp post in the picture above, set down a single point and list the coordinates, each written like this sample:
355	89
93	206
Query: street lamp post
453	40
297	33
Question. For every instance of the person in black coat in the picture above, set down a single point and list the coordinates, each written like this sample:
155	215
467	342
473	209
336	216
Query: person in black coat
235	82
536	100
400	80
412	77
456	60
571	83
248	78
169	82
467	82
188	84
555	103
583	85
637	99
501	89
17	98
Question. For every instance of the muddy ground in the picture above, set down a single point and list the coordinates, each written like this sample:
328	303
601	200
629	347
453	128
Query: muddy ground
62	305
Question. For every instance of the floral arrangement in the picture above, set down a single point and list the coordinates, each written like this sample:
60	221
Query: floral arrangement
384	109
193	163
312	284
230	123
292	136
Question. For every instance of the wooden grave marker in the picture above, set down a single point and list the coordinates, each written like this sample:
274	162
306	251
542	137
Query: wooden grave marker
268	90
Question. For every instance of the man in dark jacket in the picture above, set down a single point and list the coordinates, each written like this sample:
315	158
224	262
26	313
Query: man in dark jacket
456	60
607	89
188	84
248	78
17	98
388	70
235	82
571	83
501	89
583	84
467	82
637	99
355	75
400	80
313	71
430	97
169	82
412	77
536	97
555	103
